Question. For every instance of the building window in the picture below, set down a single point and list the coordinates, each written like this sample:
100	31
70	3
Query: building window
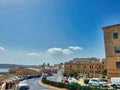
92	67
84	67
115	35
117	64
102	67
117	49
99	67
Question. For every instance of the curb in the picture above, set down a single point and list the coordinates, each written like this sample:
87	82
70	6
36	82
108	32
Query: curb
51	87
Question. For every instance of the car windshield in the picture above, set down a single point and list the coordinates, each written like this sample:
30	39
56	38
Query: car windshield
24	88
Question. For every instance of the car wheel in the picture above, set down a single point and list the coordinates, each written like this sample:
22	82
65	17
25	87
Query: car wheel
90	84
100	85
114	87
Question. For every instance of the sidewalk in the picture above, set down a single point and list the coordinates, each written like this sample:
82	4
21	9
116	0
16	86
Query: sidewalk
81	82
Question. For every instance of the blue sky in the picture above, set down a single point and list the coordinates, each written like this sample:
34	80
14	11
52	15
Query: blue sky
54	31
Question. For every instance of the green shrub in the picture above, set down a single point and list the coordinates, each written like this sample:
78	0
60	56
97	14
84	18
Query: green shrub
85	88
74	86
67	85
70	72
86	81
60	85
70	86
104	80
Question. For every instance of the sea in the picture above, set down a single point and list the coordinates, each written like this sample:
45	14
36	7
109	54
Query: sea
4	69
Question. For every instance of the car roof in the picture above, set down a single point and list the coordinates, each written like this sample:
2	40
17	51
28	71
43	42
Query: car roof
23	84
94	78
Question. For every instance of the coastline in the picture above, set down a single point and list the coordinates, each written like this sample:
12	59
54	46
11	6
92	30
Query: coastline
4	70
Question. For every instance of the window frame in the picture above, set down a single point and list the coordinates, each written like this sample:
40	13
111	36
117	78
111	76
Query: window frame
115	35
117	49
118	65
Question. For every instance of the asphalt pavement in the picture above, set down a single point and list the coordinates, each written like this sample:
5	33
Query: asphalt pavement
34	85
56	77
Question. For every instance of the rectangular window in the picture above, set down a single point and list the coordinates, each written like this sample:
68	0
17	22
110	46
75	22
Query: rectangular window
117	64
117	49
115	35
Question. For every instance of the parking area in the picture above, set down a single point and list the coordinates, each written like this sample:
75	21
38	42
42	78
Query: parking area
12	82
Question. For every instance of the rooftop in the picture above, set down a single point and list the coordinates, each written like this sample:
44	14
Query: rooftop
110	26
85	59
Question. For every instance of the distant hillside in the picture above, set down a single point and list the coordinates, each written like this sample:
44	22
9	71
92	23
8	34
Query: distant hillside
12	66
23	71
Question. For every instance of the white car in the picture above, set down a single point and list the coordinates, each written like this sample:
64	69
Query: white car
97	82
72	79
115	82
22	86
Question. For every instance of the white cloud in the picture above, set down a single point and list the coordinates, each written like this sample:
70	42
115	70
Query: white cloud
57	51
33	54
75	48
2	49
50	55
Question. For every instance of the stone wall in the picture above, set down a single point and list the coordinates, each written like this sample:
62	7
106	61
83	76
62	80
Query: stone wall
110	44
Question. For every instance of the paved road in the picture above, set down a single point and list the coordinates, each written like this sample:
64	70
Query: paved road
56	77
34	85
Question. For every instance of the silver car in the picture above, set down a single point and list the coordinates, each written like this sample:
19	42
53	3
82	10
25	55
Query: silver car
97	83
23	87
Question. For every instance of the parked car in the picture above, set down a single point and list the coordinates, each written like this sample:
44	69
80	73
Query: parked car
50	74
115	82
30	76
55	71
21	78
35	76
38	76
45	75
64	79
25	77
72	79
23	87
97	82
81	74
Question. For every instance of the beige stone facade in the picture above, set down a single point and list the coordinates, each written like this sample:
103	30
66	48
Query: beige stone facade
112	49
89	67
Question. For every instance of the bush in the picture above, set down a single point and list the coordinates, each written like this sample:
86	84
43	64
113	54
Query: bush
104	80
86	81
74	86
60	85
70	86
86	88
71	73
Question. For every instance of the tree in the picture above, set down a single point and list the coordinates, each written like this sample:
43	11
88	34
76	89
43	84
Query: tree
70	73
104	72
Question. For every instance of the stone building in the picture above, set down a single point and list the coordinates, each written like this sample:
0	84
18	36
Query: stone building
58	66
112	49
89	67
